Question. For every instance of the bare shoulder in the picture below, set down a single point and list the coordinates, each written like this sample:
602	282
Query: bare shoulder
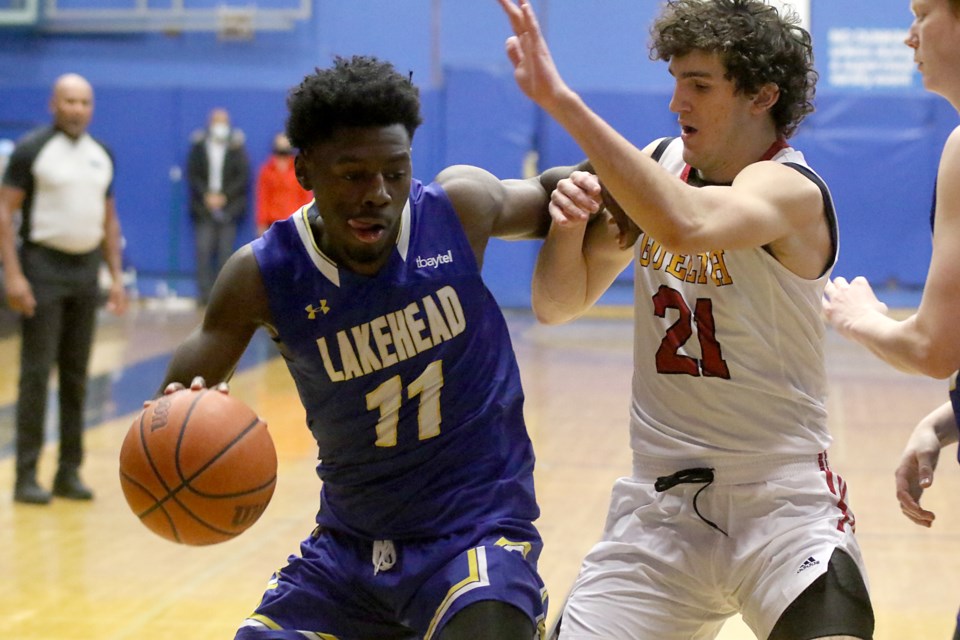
782	186
487	206
950	159
948	187
468	186
477	197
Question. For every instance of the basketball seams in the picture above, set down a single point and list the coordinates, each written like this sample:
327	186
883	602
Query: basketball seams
153	466
190	516
185	482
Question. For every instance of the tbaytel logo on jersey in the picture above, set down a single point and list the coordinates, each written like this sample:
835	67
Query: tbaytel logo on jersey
435	261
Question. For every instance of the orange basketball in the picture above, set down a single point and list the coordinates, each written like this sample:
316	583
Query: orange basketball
198	467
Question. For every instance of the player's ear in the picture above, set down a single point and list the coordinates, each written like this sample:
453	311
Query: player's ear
298	169
766	97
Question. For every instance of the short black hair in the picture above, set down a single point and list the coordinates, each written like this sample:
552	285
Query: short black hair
360	91
757	44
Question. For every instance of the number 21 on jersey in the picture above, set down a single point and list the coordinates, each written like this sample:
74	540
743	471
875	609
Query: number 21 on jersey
669	359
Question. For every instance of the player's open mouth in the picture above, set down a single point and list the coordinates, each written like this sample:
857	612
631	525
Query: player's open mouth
366	230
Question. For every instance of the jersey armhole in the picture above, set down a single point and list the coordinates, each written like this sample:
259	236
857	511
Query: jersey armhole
661	147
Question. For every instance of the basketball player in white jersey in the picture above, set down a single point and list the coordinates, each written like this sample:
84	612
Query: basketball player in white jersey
731	506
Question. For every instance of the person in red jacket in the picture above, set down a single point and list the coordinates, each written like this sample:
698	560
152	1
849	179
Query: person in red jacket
278	192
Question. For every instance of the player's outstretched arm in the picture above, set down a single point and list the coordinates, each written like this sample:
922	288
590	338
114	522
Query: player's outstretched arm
238	306
768	205
919	460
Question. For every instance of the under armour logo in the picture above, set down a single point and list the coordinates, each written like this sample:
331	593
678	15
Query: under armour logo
312	310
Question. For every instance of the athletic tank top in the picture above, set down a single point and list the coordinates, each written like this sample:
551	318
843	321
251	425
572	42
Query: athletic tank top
728	355
408	378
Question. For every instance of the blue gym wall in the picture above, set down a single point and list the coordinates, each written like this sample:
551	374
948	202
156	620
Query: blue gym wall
876	142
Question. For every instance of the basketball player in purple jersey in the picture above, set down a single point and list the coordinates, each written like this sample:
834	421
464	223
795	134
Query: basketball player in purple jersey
405	369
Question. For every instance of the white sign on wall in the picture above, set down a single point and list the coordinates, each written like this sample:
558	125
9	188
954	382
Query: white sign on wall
869	58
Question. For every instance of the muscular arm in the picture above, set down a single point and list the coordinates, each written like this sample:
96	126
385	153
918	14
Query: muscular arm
492	208
238	306
927	342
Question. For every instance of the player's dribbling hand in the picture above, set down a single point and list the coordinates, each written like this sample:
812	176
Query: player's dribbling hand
197	384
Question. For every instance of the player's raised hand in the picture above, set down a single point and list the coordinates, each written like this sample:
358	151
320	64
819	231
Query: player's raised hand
534	69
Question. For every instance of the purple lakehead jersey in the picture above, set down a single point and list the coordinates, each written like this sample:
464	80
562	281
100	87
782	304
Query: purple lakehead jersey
408	378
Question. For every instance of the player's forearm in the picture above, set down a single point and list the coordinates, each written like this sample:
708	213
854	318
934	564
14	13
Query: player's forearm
198	356
575	266
559	291
903	344
944	424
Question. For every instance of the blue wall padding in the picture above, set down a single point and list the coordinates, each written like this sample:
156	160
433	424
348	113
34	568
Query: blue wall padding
488	123
878	150
878	153
875	151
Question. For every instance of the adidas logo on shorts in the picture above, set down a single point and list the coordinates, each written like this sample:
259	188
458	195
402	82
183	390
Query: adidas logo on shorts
808	563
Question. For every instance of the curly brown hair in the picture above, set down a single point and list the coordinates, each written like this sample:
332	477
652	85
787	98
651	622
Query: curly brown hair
757	43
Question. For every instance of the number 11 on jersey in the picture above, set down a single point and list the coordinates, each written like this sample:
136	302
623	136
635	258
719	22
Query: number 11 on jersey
388	397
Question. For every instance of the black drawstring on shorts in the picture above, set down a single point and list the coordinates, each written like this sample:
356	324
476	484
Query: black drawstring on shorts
698	475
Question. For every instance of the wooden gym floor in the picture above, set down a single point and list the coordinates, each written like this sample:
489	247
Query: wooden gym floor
92	571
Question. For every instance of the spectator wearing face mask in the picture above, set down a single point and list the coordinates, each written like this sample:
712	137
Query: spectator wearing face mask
218	176
278	191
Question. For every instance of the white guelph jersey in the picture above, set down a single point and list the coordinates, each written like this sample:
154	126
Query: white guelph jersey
728	351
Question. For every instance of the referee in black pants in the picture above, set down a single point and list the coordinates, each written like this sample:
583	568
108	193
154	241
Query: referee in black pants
60	179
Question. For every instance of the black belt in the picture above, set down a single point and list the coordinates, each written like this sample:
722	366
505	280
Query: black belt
698	475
